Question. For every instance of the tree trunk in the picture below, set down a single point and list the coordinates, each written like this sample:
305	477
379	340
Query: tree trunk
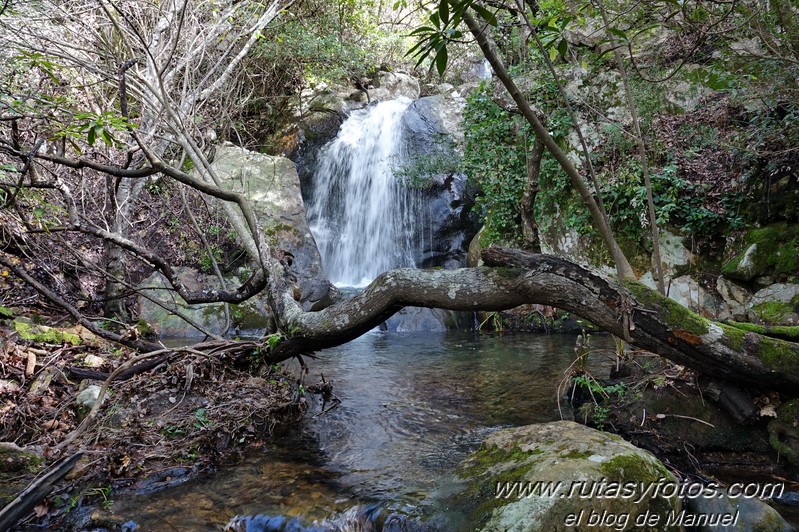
489	49
529	225
656	323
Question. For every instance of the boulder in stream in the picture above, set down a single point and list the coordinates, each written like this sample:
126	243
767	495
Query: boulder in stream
561	476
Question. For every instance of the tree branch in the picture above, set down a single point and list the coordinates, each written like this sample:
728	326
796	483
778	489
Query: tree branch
658	324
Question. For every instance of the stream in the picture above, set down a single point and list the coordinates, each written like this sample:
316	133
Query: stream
412	407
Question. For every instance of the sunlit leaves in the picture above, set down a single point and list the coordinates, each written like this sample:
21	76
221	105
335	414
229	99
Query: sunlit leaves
443	29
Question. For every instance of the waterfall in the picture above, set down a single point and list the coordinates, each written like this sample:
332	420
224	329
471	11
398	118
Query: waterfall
363	219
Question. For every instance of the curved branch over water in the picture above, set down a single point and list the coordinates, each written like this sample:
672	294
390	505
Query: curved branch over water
657	324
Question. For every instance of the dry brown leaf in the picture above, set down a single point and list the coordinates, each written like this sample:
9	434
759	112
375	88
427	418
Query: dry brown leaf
41	510
51	424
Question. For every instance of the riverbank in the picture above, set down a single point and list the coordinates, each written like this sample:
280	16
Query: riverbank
186	415
412	407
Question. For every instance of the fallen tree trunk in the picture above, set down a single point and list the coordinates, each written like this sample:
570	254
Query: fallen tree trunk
632	311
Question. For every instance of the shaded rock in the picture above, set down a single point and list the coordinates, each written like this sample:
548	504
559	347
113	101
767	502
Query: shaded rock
783	431
748	514
673	253
474	258
432	128
251	318
768	251
682	96
88	398
777	304
273	187
687	292
734	297
437	115
582	460
745	269
14	459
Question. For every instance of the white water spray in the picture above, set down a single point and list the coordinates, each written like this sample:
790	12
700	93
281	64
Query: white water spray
363	219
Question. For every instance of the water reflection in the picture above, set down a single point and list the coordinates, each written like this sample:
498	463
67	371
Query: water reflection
413	405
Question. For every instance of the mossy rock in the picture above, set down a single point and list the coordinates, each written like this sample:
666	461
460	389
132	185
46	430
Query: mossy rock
784	431
771	250
42	334
14	459
539	476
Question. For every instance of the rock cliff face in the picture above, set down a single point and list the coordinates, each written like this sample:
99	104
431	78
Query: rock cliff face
272	185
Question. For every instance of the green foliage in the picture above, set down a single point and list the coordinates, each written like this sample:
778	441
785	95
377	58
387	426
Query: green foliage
328	42
206	261
442	160
599	410
201	418
442	29
105	493
496	160
273	339
677	203
596	387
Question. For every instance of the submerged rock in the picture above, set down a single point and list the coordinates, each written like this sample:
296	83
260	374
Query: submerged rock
559	476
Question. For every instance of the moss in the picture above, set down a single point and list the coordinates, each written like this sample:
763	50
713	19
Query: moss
775	353
506	272
789	412
778	355
772	311
43	334
145	330
733	336
484	459
18	461
631	467
488	464
574	454
777	251
778	331
676	316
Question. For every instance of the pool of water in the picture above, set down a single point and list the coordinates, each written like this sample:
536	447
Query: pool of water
412	407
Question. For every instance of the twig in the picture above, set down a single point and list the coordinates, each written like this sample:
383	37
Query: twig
686	417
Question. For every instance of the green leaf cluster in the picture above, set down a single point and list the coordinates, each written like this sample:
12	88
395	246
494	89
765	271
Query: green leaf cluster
442	29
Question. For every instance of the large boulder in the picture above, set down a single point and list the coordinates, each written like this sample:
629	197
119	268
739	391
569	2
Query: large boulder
273	187
393	85
561	476
432	130
777	304
770	252
250	318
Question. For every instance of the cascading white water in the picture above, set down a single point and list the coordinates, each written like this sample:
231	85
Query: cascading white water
364	220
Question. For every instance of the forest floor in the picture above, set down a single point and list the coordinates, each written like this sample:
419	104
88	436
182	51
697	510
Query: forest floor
188	414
